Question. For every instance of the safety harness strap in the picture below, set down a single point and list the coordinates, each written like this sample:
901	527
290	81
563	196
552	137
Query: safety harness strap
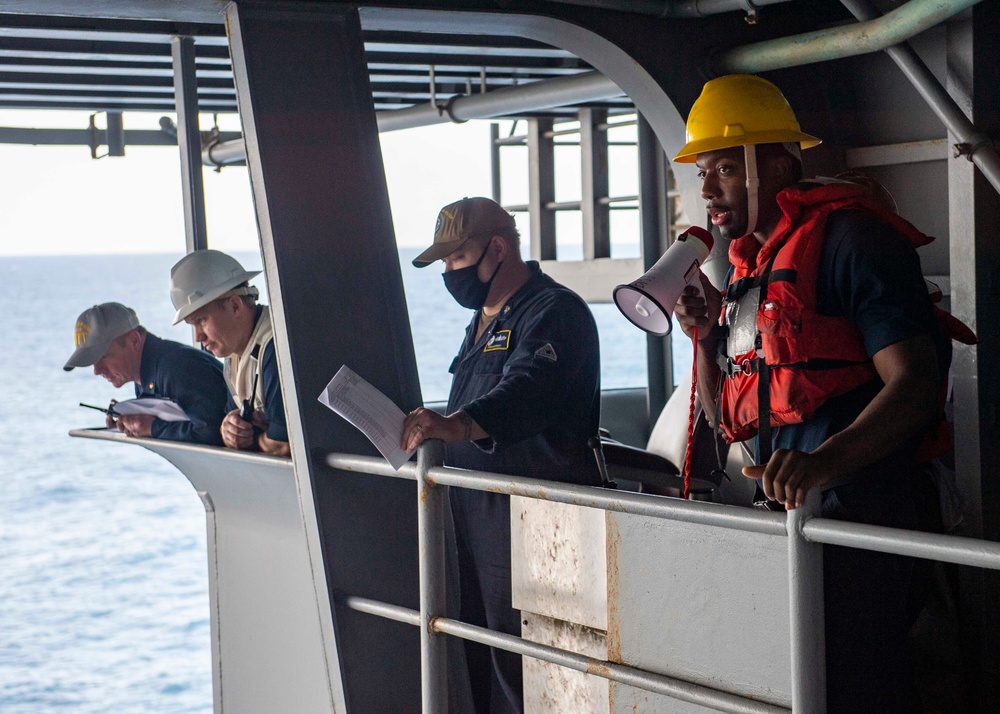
739	288
764	446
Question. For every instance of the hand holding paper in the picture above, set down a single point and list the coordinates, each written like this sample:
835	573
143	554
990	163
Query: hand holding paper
369	410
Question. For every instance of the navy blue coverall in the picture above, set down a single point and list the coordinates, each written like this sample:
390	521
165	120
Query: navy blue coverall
191	378
532	382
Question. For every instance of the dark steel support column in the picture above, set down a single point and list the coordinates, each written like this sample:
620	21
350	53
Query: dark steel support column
116	134
336	291
594	176
974	214
541	189
652	201
189	141
495	161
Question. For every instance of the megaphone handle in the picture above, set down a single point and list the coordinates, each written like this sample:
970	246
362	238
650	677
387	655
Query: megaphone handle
696	282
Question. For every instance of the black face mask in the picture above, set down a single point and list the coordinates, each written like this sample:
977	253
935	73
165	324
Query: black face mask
466	287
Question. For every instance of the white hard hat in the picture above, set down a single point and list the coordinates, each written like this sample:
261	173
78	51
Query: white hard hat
203	276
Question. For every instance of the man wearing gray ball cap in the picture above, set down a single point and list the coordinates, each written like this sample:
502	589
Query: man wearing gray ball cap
109	337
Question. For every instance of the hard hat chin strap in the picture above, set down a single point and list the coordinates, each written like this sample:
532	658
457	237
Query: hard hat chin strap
753	182
242	292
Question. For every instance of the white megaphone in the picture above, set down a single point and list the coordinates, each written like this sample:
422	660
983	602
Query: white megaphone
649	301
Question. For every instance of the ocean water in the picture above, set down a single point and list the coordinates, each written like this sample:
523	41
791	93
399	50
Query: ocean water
103	579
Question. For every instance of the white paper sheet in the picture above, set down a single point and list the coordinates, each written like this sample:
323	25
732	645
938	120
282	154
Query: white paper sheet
165	409
369	410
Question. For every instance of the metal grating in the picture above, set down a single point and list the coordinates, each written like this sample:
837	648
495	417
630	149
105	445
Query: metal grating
106	65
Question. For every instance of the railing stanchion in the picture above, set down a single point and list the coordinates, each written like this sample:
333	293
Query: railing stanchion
430	534
805	604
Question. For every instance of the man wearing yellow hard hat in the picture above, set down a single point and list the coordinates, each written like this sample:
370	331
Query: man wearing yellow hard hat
826	331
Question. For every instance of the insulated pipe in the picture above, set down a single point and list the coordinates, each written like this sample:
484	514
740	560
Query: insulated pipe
562	91
865	37
675	8
579	88
979	149
224	152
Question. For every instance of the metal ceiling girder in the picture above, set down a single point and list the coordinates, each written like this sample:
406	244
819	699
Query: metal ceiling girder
194	11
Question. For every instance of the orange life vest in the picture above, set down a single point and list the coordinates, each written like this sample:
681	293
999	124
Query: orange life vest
809	357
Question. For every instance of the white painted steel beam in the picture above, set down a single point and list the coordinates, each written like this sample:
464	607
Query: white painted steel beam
267	650
910	152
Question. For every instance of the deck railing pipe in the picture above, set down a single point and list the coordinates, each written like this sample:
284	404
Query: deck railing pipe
979	149
641	679
675	509
397	613
430	542
933	546
807	621
375	466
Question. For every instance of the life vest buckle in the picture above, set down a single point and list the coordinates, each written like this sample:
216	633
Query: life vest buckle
731	368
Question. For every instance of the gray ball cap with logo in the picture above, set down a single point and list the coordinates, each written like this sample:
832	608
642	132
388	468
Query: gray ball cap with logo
459	221
96	328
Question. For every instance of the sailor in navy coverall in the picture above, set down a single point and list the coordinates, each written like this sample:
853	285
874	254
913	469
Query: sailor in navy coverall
525	400
191	378
109	338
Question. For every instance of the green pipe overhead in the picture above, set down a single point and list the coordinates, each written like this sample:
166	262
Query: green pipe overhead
862	38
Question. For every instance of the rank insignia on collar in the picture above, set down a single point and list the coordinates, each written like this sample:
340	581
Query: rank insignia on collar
499	341
546	352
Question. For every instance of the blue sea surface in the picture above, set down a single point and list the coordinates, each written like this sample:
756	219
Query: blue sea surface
103	574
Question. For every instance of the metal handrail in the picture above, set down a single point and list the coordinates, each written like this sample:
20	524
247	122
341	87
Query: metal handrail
805	531
643	679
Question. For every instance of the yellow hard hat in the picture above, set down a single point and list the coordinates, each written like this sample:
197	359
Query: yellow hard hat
737	110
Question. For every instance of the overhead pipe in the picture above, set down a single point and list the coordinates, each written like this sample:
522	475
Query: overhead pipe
675	8
525	98
971	143
836	43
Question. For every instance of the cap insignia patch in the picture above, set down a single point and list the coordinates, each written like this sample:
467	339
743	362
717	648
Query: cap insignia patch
80	333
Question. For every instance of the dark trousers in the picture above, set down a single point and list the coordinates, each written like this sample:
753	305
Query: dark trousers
482	535
868	664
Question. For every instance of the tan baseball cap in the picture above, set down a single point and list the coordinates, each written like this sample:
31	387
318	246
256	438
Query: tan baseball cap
459	221
96	328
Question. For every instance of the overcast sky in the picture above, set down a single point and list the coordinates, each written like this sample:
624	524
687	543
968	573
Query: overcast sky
59	201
